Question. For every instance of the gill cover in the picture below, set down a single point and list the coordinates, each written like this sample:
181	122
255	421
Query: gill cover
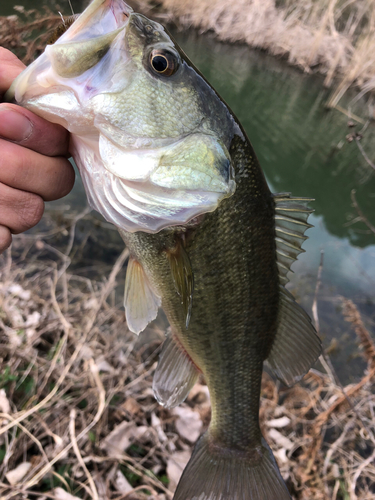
135	181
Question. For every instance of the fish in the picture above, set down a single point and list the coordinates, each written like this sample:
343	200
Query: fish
164	159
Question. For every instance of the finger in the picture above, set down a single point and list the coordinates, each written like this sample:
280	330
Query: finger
19	210
29	130
10	67
5	238
49	177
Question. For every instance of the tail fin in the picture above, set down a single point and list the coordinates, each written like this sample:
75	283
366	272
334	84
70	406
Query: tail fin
215	473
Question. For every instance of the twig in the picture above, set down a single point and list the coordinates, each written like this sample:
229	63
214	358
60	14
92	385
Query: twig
73	225
101	407
73	438
359	471
318	283
363	152
360	213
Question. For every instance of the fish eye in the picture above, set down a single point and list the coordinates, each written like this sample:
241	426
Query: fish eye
163	62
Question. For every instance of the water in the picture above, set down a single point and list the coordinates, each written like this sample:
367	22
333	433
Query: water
302	148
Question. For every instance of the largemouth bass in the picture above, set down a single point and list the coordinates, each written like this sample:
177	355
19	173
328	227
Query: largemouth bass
164	159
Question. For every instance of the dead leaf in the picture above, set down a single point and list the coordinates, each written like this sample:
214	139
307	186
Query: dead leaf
16	475
18	291
101	488
281	456
121	438
131	406
279	423
122	485
4	403
86	352
175	465
280	440
103	365
188	424
33	319
156	424
15	340
61	494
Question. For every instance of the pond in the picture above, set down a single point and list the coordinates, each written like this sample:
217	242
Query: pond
303	149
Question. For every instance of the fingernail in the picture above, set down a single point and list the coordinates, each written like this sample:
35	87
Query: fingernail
14	126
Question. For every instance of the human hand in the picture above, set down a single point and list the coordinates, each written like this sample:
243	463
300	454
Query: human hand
33	160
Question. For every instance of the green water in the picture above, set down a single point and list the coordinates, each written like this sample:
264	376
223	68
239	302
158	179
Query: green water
302	148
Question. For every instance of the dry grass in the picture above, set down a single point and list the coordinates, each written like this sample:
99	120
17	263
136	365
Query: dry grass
27	32
77	412
337	37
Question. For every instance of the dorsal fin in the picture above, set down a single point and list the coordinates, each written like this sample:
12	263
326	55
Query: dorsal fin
296	346
183	277
291	214
175	374
140	301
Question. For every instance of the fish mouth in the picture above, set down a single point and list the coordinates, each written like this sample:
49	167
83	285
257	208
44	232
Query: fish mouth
91	33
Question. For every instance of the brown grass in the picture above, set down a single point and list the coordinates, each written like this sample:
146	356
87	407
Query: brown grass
27	32
73	386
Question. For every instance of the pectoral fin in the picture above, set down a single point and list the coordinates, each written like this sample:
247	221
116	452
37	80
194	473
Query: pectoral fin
183	278
197	163
296	346
175	374
140	301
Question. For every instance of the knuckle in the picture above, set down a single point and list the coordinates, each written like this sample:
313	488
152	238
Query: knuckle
30	210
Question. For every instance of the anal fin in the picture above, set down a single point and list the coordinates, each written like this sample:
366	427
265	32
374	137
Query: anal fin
296	346
140	301
175	374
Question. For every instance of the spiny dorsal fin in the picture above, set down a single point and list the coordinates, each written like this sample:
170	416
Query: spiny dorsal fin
175	374
140	301
183	277
291	214
296	346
